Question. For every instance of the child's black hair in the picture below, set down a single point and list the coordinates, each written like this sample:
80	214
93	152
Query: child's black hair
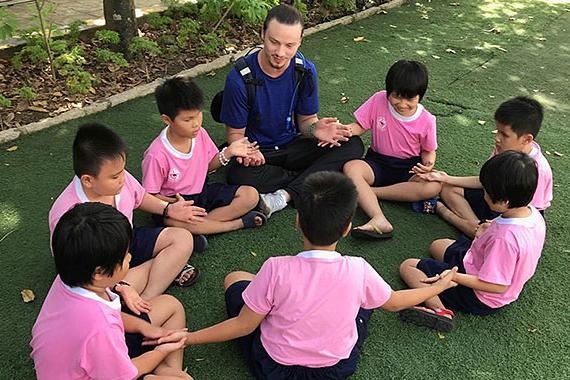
523	114
326	207
93	145
177	94
284	14
510	176
89	236
407	79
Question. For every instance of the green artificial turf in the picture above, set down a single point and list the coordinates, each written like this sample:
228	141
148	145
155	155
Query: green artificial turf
498	50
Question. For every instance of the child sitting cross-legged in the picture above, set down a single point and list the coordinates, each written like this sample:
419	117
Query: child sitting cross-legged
81	332
177	162
403	136
306	316
502	258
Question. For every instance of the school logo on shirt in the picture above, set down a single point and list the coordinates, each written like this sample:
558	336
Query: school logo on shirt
174	175
381	123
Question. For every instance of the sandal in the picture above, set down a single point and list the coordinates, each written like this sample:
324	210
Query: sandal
425	207
249	219
377	234
432	318
179	280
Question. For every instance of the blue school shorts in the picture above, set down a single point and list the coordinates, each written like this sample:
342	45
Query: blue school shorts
262	366
134	340
143	243
213	196
389	170
460	297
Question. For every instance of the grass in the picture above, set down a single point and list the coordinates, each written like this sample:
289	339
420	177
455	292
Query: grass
498	50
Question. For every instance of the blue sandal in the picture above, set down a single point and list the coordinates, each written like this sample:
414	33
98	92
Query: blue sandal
425	207
249	219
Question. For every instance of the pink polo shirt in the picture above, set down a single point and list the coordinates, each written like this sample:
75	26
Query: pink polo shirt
79	335
168	171
310	302
130	198
543	194
506	254
393	134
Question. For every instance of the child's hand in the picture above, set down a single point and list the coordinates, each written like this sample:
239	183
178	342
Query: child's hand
481	228
329	132
444	279
185	211
255	159
167	348
242	148
132	299
170	337
429	174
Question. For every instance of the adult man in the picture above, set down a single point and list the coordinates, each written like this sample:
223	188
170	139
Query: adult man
283	119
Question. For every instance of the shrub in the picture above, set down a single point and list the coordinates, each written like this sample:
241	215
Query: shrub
109	37
5	102
108	56
158	21
141	46
27	93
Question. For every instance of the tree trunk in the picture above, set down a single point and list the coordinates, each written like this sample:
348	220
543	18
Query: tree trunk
120	17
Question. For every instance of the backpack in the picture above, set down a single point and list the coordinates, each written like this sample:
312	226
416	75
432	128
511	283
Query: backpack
251	83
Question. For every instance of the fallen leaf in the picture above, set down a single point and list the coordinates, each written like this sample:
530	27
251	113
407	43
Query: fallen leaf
6	164
393	26
360	39
541	38
253	253
502	49
325	38
198	360
38	109
425	17
12	148
454	4
483	66
344	99
347	58
532	329
495	131
10	117
547	152
492	30
436	57
450	51
440	335
382	12
92	90
27	295
211	73
57	93
558	154
481	122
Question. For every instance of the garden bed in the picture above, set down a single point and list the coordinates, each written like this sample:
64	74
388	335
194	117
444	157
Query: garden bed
31	94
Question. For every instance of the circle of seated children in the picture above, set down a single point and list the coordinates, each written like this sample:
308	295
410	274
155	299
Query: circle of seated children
96	248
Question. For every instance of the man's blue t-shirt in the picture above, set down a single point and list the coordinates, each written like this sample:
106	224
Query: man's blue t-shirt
273	101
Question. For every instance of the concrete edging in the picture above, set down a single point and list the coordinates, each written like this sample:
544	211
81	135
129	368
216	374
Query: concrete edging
148	88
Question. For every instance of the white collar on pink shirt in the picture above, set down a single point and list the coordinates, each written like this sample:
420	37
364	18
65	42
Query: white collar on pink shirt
527	222
318	254
83	197
114	304
535	150
406	119
171	149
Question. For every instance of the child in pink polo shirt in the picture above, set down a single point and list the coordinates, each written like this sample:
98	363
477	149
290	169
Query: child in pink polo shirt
403	136
177	162
306	316
518	122
80	332
160	254
503	257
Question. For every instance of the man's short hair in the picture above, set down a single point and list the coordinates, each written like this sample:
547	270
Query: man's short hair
326	207
89	236
284	14
407	79
510	176
177	94
93	145
523	114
